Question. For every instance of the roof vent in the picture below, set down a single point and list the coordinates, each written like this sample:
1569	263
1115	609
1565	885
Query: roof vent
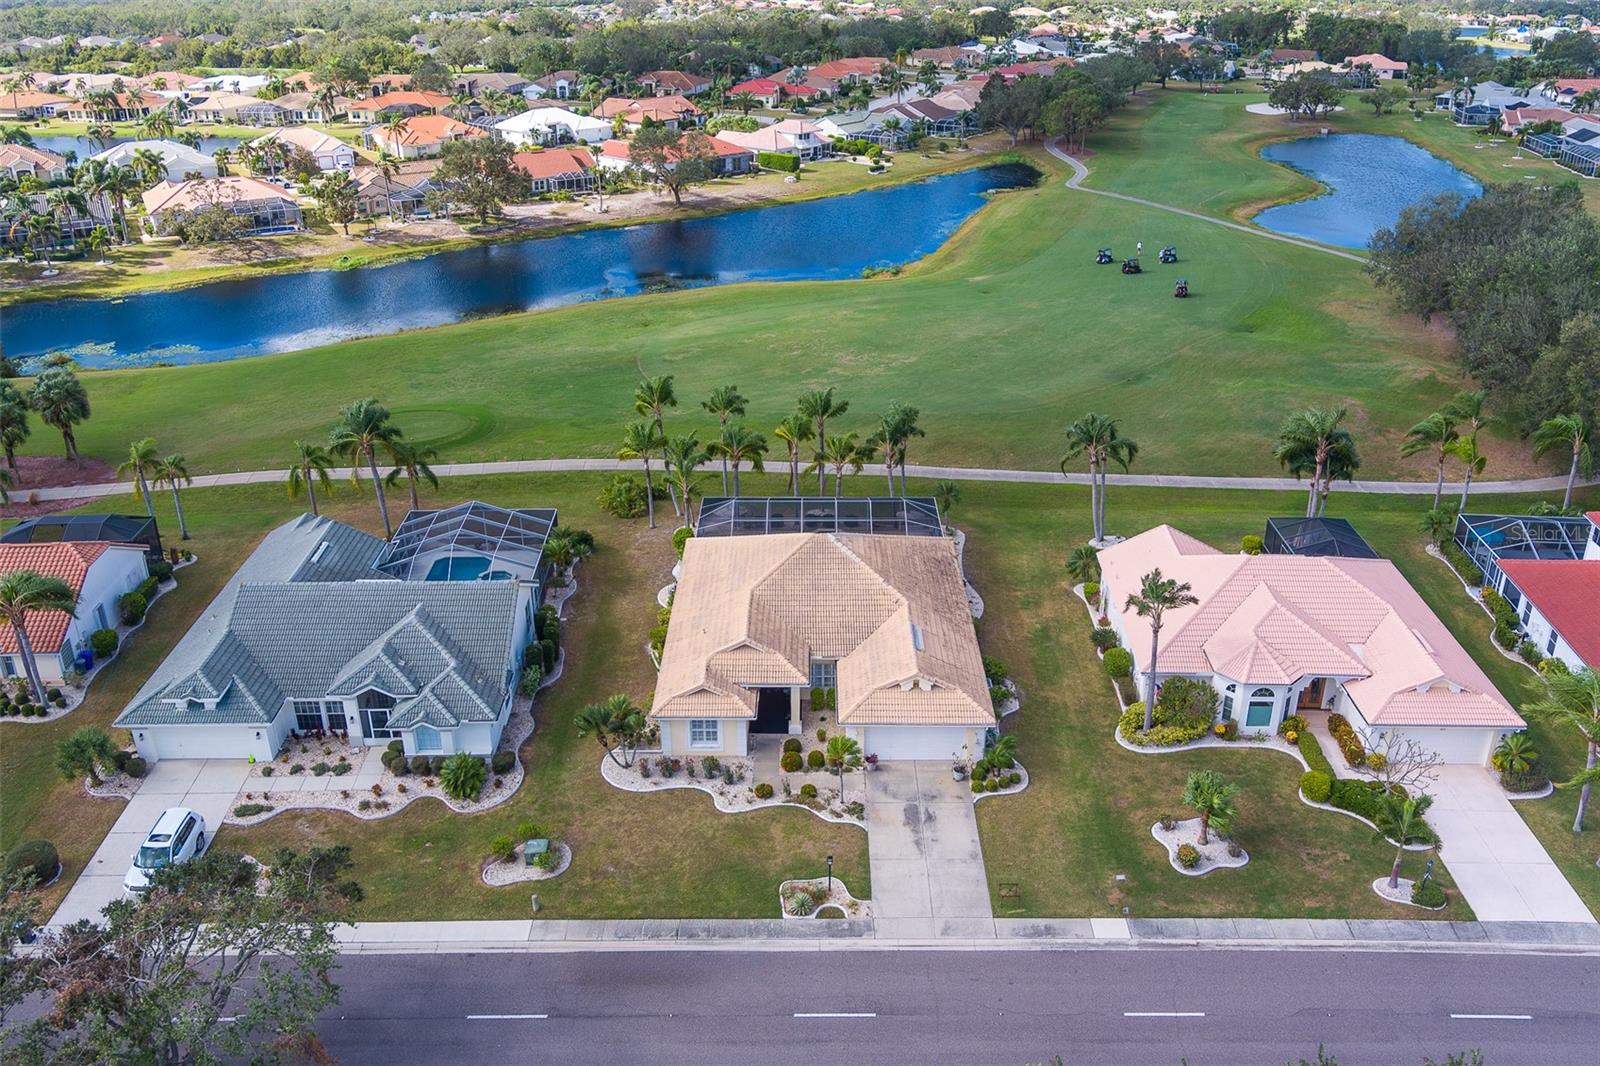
916	636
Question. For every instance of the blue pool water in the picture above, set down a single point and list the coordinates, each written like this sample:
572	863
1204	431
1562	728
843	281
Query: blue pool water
825	239
1370	178
83	147
457	568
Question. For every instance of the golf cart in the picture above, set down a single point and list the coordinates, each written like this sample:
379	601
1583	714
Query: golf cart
1169	254
1131	266
1103	256
1181	290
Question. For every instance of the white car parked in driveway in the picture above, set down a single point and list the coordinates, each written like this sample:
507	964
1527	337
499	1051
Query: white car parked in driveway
178	836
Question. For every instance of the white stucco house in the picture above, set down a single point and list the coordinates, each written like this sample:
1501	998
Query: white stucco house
552	126
883	620
98	572
330	152
1284	634
327	628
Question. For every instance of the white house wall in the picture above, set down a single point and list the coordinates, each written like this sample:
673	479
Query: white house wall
117	571
1454	744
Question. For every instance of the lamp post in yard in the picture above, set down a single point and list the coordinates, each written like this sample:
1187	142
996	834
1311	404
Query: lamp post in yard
830	875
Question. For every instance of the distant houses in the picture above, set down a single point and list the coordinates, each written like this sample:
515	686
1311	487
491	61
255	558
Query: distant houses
421	135
552	126
329	152
21	160
672	111
263	208
180	160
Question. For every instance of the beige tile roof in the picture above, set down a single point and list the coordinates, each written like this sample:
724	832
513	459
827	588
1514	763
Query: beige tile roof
1272	619
754	611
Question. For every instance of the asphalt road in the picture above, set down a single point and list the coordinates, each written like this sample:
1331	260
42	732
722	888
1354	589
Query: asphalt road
1148	1007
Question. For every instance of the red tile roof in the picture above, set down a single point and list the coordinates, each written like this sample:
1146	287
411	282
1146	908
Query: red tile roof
1565	591
69	561
553	162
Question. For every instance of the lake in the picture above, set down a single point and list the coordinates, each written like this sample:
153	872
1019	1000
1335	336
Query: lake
1370	178
61	144
827	239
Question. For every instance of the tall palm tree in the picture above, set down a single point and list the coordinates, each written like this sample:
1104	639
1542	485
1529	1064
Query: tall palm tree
62	402
364	428
682	456
1399	819
393	127
1313	442
1466	450
1211	796
1438	523
725	402
142	462
310	470
946	494
223	157
1436	433
174	470
651	399
97	241
819	406
1156	596
641	440
1575	700
1096	438
794	431
737	445
412	463
388	166
14	428
43	232
893	439
841	453
1470	409
21	593
1571	433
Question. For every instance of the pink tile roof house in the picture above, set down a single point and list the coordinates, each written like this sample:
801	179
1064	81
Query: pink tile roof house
1285	620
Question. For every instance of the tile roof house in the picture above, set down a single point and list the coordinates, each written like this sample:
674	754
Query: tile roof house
758	621
18	160
330	152
180	159
1286	634
125	107
98	572
32	104
730	158
1383	68
795	137
420	136
556	85
552	125
670	111
557	170
674	83
326	627
771	92
1560	607
223	106
399	194
373	108
266	208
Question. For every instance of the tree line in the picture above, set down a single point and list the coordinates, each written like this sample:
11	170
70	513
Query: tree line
1070	103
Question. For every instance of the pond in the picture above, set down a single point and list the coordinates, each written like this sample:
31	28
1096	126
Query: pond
826	239
83	147
1370	178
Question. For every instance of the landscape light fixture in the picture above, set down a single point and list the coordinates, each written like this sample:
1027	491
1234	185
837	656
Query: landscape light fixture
830	875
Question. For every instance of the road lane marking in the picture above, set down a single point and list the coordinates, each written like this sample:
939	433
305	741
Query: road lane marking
1163	1014
505	1017
1494	1017
836	1014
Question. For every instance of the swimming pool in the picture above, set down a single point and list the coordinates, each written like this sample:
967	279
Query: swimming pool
457	568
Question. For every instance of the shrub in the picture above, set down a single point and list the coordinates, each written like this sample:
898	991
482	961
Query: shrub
266	771
977	783
1252	544
815	759
32	857
420	764
763	791
320	768
1316	786
147	588
1163	732
1505	635
247	810
548	649
792	744
1188	856
503	849
1167	822
1427	894
462	776
436	764
1234	850
998	695
623	497
1311	752
1228	730
680	537
1552	665
799	903
131	607
1357	797
711	765
502	762
341	768
788	164
388	758
103	642
994	670
399	767
1118	662
1530	653
364	805
1013	779
1105	637
658	638
1295	723
531	830
1091	591
823	699
297	768
991	785
1463	565
532	678
1532	779
808	791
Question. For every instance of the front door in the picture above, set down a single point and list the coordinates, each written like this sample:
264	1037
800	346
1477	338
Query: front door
1311	695
772	711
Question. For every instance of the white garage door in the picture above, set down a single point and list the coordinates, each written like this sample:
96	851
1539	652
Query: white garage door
915	742
204	742
1455	745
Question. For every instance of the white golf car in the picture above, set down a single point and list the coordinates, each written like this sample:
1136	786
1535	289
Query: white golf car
178	836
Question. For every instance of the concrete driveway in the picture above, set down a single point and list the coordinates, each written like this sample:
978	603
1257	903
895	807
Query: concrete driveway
1499	865
207	786
927	865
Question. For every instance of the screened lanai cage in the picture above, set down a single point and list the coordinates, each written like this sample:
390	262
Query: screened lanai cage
910	516
470	542
1489	538
117	528
1315	536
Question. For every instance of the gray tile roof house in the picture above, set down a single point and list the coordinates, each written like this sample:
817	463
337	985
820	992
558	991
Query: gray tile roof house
309	634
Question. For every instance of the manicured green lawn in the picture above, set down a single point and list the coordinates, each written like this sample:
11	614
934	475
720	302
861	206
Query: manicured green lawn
1087	816
1001	338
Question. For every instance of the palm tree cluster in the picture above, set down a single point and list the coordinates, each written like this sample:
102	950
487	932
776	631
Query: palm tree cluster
1452	433
1096	438
364	431
148	467
39	215
1315	442
736	446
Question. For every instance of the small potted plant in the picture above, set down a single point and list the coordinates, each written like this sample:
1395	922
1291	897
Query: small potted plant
872	762
958	770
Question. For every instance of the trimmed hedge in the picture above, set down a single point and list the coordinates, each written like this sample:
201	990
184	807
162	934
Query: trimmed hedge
815	759
1252	544
1118	662
1188	856
680	537
103	642
131	607
502	762
790	763
792	744
36	857
789	164
1317	786
1427	894
1161	734
763	791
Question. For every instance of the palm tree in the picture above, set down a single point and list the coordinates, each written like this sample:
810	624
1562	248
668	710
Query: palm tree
840	454
43	232
66	203
150	165
62	402
1515	754
1156	596
98	240
174	470
725	402
223	157
1211	795
393	127
1438	523
142	463
1312	441
682	456
411	462
1575	700
843	753
641	440
1096	438
895	430
1569	432
15	135
14	428
1399	819
363	428
819	406
617	724
794	431
1436	432
739	444
1083	563
651	399
946	494
1470	409
311	465
1466	450
21	593
388	166
894	80
157	125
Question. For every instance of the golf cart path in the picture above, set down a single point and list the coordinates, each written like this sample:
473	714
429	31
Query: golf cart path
1080	172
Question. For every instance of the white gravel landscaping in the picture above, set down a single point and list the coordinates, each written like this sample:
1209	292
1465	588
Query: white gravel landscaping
497	874
1213	854
974	600
817	889
740	796
1008	790
1401	893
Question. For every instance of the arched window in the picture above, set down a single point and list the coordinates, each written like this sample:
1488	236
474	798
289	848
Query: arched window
1262	693
1258	713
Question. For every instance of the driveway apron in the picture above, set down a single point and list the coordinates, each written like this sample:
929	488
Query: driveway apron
927	864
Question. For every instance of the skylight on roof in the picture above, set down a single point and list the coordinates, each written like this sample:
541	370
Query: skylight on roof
916	636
